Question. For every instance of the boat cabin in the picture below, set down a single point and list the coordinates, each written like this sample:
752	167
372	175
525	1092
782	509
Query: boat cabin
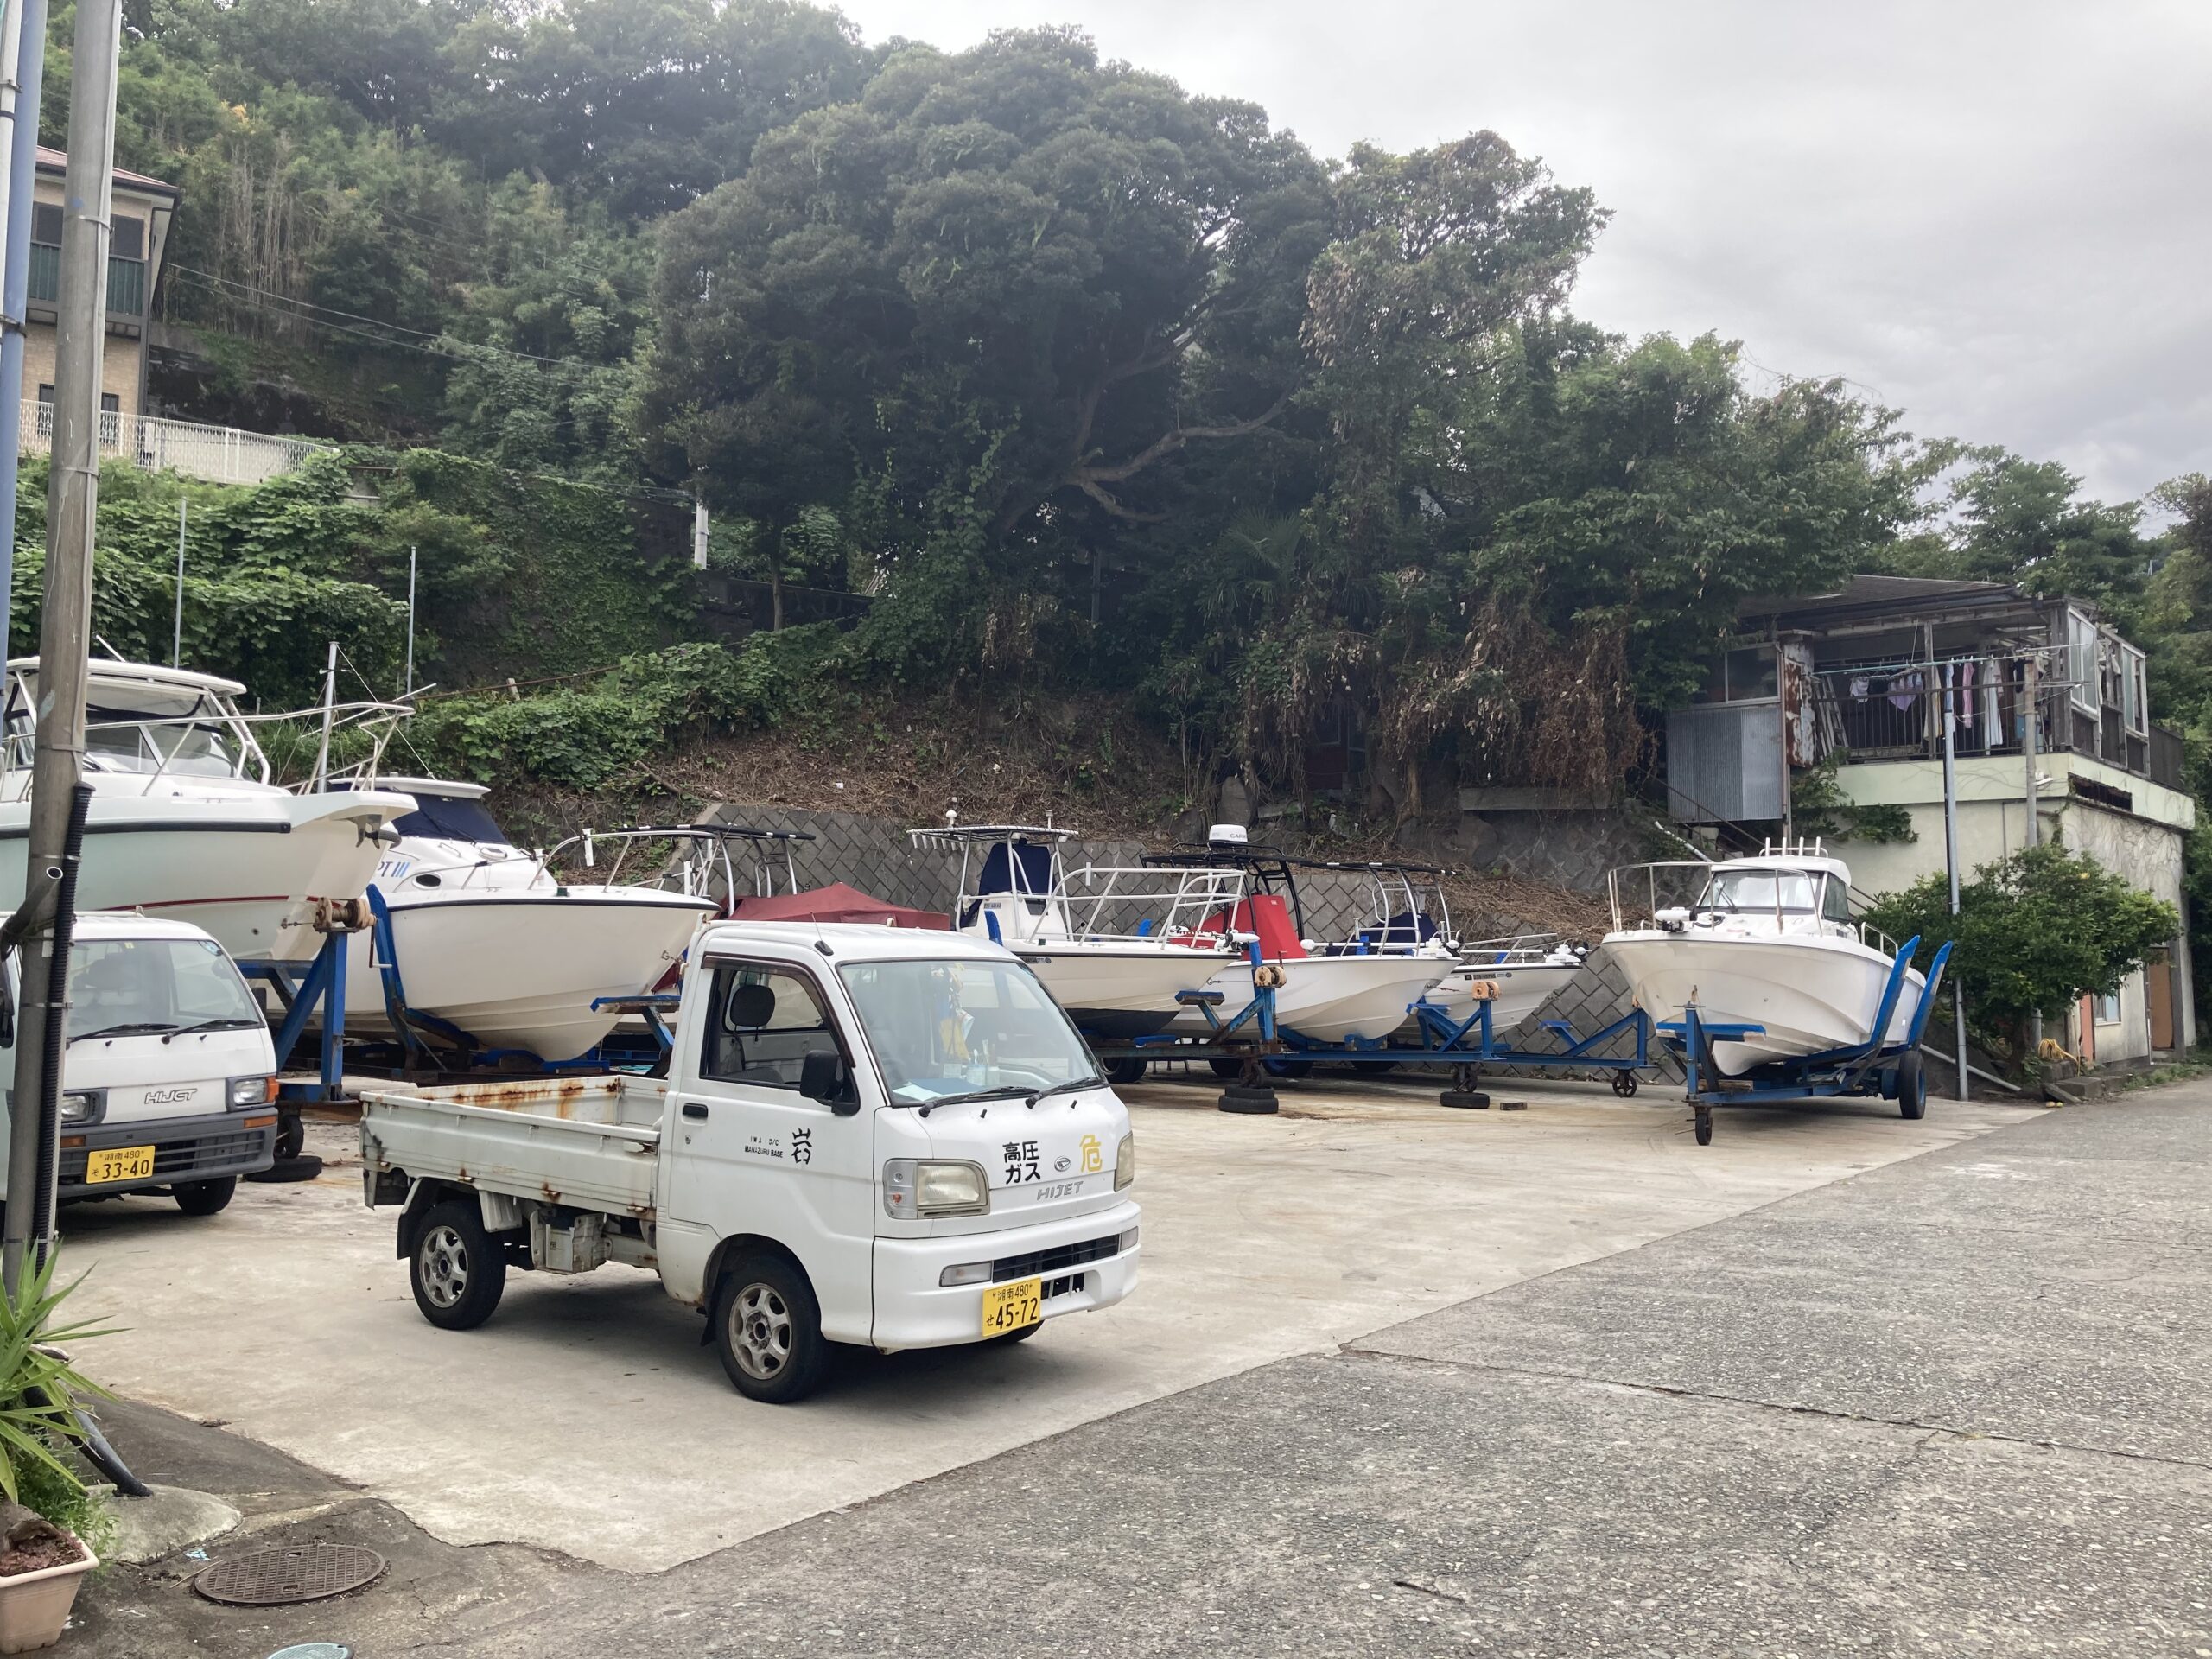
141	721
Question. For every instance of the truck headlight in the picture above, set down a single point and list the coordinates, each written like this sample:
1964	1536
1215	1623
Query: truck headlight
81	1105
251	1091
1125	1161
930	1186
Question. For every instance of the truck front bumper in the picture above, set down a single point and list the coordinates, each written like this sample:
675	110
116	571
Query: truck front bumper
1081	1261
185	1149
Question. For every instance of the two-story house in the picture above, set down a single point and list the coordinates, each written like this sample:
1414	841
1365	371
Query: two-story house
141	212
1864	675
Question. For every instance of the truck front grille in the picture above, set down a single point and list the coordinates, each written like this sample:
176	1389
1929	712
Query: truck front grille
1038	1263
180	1159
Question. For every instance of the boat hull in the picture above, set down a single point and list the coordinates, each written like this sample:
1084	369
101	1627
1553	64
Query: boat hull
248	867
1811	993
1523	988
1330	1000
521	970
1118	992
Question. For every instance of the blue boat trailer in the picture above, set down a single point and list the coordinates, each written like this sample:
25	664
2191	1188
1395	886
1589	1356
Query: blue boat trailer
1893	1071
420	1042
1253	1050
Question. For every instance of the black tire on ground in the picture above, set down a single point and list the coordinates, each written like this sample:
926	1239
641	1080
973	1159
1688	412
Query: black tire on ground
1284	1065
1125	1070
1466	1099
1705	1128
204	1197
292	1136
768	1328
457	1269
1912	1087
1248	1101
1230	1069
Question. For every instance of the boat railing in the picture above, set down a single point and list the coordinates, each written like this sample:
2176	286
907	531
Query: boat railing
698	864
1636	892
1110	902
245	757
1874	939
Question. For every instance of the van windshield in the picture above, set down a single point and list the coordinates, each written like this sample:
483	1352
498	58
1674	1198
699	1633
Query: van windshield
962	1027
123	987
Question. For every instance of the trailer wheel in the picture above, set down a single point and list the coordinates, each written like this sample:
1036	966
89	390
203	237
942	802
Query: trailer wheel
1231	1070
1705	1126
204	1197
292	1136
1125	1070
1284	1065
1624	1084
456	1268
768	1328
1912	1086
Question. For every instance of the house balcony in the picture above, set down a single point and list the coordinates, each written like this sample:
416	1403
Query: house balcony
222	455
126	285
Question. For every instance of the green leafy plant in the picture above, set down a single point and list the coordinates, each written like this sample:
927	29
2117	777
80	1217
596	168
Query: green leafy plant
2034	932
38	1388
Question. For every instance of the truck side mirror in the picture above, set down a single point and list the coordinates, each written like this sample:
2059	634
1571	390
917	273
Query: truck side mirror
822	1076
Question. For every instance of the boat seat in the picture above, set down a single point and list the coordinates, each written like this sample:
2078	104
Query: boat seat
1265	916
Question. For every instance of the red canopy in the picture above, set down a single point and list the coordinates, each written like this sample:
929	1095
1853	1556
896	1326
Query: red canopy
836	903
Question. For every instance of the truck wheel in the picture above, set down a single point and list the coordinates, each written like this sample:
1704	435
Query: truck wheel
204	1197
768	1330
457	1269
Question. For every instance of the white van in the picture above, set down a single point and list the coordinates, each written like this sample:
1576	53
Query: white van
170	1081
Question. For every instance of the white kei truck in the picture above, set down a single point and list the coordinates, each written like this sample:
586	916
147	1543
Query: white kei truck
168	1082
887	1137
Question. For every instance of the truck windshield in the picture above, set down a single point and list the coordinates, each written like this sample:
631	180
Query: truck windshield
119	987
960	1028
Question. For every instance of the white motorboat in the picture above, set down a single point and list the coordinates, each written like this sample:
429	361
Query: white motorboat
486	938
1523	973
1768	941
184	822
1116	948
1355	990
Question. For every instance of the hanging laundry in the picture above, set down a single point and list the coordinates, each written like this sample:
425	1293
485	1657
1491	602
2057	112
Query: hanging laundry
1904	691
1966	696
1858	683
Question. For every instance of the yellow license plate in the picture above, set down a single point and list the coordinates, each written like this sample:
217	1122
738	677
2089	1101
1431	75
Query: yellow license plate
119	1164
1012	1307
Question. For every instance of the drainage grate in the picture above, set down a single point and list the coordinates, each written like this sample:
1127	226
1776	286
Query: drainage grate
271	1577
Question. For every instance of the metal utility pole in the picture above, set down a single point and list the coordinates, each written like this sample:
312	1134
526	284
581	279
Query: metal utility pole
176	635
1951	864
22	68
409	690
65	624
2035	825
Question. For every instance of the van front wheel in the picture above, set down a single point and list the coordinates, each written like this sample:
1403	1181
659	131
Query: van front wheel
768	1330
204	1197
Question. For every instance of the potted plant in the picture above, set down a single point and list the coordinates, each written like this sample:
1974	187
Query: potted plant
42	1561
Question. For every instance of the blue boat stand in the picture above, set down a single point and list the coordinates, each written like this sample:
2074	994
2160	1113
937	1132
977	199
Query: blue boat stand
1893	1071
1254	1049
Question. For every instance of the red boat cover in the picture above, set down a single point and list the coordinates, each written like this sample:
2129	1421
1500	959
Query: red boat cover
836	903
1266	916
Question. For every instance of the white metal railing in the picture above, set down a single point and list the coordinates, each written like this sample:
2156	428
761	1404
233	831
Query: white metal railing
221	454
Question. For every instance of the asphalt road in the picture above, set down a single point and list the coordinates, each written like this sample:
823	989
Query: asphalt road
1954	1405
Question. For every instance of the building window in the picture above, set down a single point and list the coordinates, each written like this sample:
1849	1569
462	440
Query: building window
110	403
2134	692
1748	674
2108	1009
127	239
46	223
2082	661
46	391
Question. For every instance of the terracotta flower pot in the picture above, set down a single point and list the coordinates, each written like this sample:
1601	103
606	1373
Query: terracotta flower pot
35	1606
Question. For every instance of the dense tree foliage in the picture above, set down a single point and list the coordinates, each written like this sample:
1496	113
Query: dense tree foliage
1085	381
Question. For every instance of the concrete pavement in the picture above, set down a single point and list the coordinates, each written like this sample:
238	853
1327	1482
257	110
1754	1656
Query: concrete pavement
574	1420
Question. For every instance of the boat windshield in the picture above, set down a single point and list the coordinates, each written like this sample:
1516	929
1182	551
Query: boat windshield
118	742
445	817
964	1027
1787	893
127	987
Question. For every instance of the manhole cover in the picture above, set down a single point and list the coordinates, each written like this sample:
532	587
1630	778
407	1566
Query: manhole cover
269	1578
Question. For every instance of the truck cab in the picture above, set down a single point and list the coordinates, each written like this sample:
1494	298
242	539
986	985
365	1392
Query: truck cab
877	1136
169	1082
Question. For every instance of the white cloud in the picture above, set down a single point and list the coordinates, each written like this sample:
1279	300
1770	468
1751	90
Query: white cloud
1990	212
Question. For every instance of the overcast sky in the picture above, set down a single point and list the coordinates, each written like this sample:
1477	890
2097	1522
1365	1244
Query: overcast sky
1996	217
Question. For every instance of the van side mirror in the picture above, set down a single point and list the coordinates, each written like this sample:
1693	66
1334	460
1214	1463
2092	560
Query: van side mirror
822	1076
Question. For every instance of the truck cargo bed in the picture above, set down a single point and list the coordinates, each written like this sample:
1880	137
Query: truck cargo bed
592	1142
